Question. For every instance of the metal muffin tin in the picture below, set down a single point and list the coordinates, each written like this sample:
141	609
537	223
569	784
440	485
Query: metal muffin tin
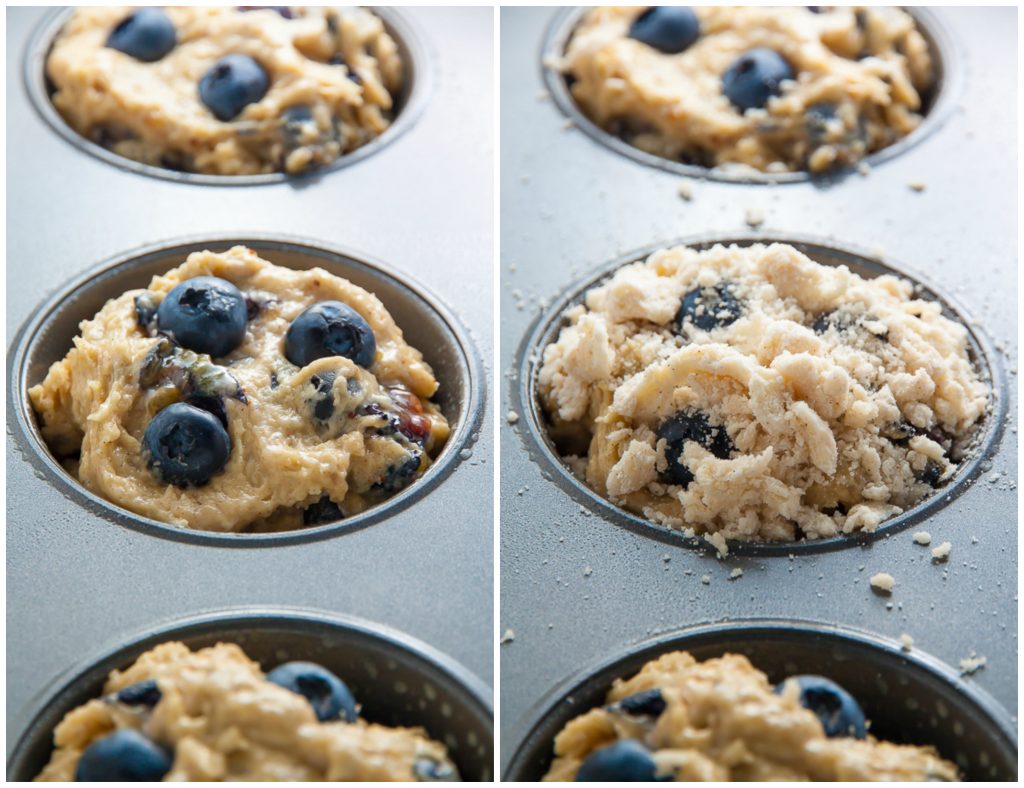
84	578
937	103
909	698
408	104
584	584
399	681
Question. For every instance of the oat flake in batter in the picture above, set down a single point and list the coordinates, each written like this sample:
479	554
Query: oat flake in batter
218	718
308	444
333	75
720	720
750	393
857	78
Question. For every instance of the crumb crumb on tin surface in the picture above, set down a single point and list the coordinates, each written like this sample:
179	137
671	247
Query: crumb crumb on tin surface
941	553
923	538
883	581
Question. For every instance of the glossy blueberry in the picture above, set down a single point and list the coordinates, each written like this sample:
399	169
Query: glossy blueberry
690	425
754	77
709	307
667	28
323	511
233	83
930	474
204	314
427	770
144	693
624	761
840	714
399	475
146	35
649	703
328	694
323	401
330	328
185	445
125	755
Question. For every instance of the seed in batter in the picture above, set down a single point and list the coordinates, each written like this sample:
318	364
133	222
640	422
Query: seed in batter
186	446
233	83
146	35
755	77
125	755
669	29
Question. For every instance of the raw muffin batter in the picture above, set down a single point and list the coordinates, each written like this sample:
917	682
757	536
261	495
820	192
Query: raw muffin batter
309	434
291	89
720	720
212	715
753	394
808	89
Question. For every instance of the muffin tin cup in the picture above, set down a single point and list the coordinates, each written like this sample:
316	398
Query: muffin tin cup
427	324
939	104
542	449
398	680
409	104
909	697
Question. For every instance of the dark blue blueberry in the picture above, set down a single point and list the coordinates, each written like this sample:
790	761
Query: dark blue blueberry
144	693
328	694
146	35
204	314
667	28
709	308
427	770
840	321
930	474
624	761
233	83
125	755
690	425
323	402
649	703
330	328
145	310
840	715
323	511
186	445
399	475
754	77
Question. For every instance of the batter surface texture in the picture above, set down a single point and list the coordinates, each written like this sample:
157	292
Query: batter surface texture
858	76
308	444
221	720
333	75
750	393
720	720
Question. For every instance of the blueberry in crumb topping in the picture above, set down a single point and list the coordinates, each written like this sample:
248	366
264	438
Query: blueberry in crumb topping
669	29
624	761
330	328
930	474
146	35
755	77
690	425
205	314
709	308
125	755
233	83
143	693
186	446
840	715
330	696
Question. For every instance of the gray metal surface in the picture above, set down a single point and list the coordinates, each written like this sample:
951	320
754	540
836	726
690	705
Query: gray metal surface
578	588
78	580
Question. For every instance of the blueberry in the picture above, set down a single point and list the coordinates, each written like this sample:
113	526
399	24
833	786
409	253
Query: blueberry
125	755
399	475
323	511
323	400
649	703
930	474
330	328
690	425
754	77
818	117
204	314
328	694
669	29
709	308
427	770
185	445
623	761
143	693
146	35
839	713
231	84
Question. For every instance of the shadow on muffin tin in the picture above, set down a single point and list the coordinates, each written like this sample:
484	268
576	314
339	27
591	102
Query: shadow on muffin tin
544	330
938	104
408	106
398	680
47	337
910	698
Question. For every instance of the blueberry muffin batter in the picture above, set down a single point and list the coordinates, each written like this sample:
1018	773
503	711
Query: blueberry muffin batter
721	720
773	89
213	715
750	393
233	394
226	91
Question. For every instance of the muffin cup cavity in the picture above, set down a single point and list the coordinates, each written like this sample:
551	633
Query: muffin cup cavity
426	322
938	103
910	698
542	448
409	104
398	680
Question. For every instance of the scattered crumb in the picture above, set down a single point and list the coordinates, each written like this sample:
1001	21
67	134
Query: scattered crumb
755	217
508	637
972	664
941	553
587	571
863	168
512	417
736	573
569	124
717	541
543	95
906	642
666	558
706	580
883	581
922	537
686	190
917	186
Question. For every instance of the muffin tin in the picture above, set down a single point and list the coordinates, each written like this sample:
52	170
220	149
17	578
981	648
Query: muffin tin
584	583
85	577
